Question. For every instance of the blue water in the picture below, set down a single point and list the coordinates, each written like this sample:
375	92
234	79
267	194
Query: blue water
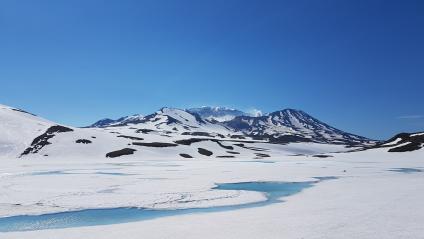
406	170
70	172
274	191
257	161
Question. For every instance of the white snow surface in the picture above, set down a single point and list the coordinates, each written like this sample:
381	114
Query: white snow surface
367	200
394	142
18	129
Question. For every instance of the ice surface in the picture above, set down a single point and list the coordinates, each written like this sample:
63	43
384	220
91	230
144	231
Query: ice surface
367	200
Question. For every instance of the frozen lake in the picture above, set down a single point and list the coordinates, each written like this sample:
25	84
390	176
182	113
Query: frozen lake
373	193
273	191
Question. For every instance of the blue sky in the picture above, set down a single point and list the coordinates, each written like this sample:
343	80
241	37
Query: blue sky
357	65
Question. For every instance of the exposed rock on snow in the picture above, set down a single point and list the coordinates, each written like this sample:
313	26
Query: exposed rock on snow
186	156
121	152
204	152
83	141
39	142
155	144
129	137
404	142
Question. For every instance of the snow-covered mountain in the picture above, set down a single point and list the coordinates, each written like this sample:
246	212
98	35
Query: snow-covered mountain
219	114
173	133
110	122
292	125
282	126
169	120
404	142
18	128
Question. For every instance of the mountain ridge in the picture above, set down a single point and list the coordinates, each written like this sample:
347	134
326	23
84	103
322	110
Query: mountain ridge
171	132
282	126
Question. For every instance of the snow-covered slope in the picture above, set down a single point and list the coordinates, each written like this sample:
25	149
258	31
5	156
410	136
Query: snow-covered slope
219	114
404	142
17	130
291	125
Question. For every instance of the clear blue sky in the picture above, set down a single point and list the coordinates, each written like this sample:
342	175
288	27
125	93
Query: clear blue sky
358	65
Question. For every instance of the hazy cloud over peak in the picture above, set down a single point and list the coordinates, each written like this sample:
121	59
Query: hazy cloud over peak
255	112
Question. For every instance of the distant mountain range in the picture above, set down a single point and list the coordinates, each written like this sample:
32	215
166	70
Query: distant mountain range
282	126
218	114
201	132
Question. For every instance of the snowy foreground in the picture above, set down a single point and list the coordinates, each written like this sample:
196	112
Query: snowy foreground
371	197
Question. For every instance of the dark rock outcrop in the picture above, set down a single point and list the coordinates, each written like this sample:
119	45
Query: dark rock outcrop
121	152
155	144
39	142
186	156
129	137
83	141
204	152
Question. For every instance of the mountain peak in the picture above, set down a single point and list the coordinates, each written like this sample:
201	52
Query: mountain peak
292	125
217	113
106	122
292	110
